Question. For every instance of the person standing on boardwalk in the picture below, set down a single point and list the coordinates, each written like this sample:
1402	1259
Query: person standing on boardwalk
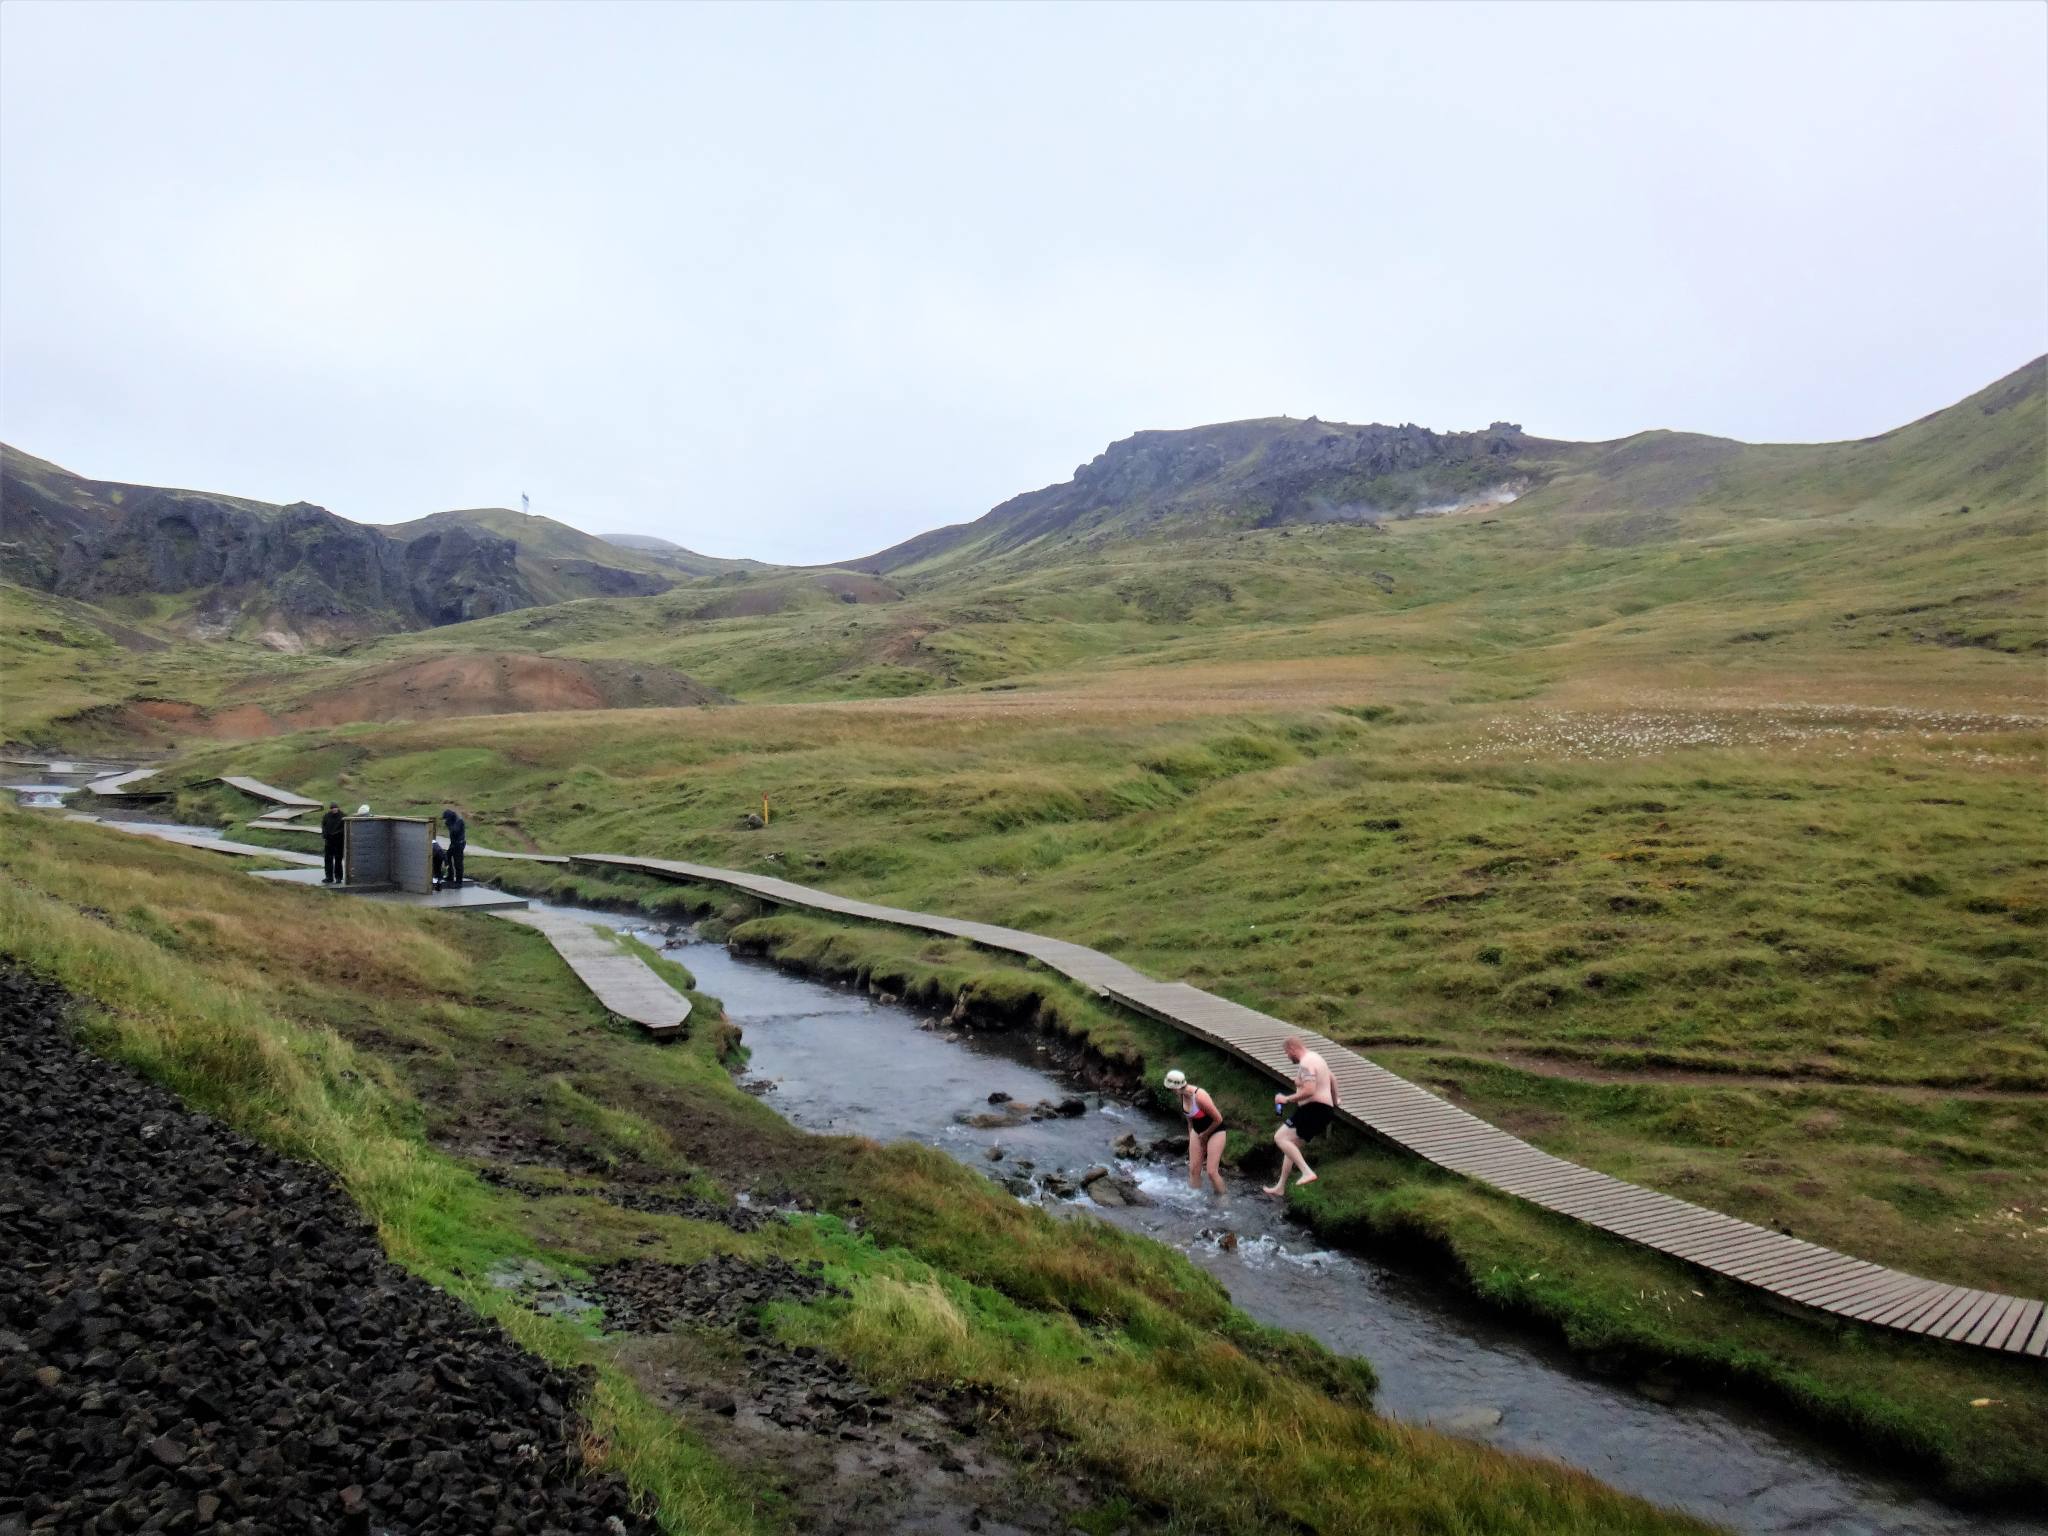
458	841
331	826
1315	1106
1205	1131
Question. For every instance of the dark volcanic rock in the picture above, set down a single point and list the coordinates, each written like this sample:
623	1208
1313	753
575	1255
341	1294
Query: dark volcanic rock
298	569
1235	473
196	1332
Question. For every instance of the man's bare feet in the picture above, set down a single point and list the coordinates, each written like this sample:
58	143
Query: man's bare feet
1275	1189
1306	1178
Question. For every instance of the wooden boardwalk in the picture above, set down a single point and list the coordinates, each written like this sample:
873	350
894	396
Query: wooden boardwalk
282	821
186	837
1396	1110
627	985
120	783
262	791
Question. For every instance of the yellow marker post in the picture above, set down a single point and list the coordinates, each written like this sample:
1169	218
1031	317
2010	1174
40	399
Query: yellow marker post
764	807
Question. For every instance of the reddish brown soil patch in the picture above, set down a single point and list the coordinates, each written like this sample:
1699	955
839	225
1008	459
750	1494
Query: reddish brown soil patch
495	683
154	719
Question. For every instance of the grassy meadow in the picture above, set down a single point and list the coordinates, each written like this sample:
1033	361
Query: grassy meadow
408	1051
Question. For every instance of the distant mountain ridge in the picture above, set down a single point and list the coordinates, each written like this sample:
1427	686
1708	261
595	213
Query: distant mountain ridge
1281	470
294	575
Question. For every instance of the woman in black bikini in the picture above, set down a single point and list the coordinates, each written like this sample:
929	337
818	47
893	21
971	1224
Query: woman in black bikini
1205	1131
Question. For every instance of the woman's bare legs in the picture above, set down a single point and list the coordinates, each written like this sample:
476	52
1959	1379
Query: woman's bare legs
1215	1165
1194	1161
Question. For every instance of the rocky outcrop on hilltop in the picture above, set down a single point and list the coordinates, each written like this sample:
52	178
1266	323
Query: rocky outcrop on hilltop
1248	473
312	570
292	575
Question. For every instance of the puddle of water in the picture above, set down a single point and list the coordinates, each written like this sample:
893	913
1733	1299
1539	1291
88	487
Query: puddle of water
833	1060
541	1288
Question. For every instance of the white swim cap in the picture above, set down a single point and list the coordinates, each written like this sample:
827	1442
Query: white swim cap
1176	1080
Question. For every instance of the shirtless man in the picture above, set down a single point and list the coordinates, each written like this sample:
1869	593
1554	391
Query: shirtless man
1315	1106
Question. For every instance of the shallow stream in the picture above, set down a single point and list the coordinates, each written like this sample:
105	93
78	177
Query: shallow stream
831	1059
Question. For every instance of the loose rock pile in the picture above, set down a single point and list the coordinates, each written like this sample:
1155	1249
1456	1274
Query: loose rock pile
723	1291
199	1335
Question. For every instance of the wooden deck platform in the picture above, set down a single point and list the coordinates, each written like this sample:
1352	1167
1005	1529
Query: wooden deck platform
467	897
627	985
1395	1110
282	821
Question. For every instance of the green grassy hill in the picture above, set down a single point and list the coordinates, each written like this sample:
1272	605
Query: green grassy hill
674	556
560	563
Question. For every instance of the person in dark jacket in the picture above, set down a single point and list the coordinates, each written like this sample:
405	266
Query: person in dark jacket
458	840
331	842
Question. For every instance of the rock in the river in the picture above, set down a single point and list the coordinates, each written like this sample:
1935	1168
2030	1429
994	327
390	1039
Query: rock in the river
999	1097
1126	1145
1000	1118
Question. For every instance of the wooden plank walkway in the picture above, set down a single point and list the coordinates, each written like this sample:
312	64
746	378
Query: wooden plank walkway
188	838
119	783
263	791
1389	1107
627	985
281	821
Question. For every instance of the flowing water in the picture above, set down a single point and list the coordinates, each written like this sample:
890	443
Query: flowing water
830	1059
55	779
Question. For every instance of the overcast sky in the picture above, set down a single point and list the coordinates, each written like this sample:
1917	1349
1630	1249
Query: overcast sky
797	283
